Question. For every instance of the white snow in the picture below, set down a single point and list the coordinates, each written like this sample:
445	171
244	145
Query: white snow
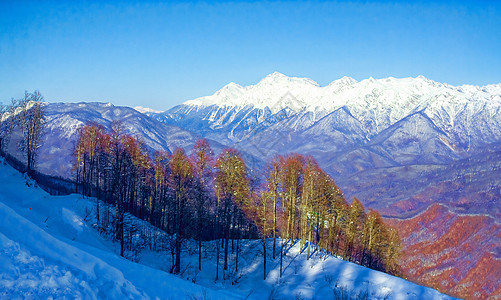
380	101
146	110
49	250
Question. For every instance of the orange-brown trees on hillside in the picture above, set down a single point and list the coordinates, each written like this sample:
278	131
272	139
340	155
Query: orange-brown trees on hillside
297	200
261	215
273	186
160	191
354	230
393	248
232	191
92	146
181	179
203	159
380	244
315	211
291	176
373	235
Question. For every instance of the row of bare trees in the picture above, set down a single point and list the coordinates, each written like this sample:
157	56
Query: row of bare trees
300	202
203	197
24	117
193	196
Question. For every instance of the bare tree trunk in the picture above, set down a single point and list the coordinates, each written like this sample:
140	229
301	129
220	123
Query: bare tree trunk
236	260
217	259
200	254
309	243
121	234
226	242
264	258
274	223
281	256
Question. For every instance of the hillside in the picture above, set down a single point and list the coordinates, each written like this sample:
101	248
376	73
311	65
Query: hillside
49	250
398	145
59	254
64	119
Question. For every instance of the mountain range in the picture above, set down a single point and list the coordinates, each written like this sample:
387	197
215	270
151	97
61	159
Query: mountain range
413	148
426	154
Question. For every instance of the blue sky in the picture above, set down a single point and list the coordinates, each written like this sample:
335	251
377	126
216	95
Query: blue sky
159	54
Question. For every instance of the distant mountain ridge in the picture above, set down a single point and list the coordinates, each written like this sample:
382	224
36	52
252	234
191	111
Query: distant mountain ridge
234	111
64	119
385	118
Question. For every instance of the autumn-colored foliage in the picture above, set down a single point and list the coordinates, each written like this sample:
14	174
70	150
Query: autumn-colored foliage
204	198
314	212
440	250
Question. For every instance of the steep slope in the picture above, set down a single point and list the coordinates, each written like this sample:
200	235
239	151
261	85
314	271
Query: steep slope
454	243
59	255
415	140
233	112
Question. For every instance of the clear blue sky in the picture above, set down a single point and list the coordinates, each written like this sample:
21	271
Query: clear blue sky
159	54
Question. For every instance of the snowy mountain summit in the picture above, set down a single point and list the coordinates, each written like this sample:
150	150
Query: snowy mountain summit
401	96
234	112
268	93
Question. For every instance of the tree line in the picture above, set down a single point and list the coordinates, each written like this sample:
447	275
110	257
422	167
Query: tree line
212	198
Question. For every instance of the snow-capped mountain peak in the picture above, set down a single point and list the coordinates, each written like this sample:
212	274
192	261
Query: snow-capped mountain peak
305	94
146	110
376	104
344	81
277	78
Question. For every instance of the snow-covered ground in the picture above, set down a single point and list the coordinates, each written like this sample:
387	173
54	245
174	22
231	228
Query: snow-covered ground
48	249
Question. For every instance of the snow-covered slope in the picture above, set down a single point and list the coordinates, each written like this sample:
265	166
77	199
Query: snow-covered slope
49	250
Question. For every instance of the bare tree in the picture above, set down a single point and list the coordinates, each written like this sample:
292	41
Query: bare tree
32	126
203	159
3	123
181	181
232	186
